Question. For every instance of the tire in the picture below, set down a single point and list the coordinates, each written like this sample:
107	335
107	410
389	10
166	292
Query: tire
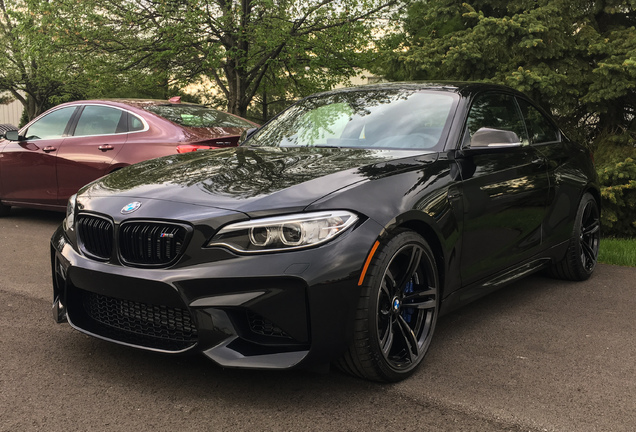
580	259
4	210
391	335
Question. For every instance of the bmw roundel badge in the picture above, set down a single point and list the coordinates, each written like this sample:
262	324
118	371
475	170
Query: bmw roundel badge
130	207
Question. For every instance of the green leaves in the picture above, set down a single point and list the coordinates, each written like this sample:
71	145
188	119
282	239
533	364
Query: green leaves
33	68
618	191
577	57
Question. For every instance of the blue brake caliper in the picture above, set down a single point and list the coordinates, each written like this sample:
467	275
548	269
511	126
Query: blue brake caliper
407	312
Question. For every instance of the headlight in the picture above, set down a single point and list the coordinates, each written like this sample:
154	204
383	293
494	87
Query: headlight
69	222
284	232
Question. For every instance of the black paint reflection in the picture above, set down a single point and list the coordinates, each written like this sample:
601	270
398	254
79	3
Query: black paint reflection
246	172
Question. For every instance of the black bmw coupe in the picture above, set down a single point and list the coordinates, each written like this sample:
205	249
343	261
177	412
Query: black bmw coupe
336	233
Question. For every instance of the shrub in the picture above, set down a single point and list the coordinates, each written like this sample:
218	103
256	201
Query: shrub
618	192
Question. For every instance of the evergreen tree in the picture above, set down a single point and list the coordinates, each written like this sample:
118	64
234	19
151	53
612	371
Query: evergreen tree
578	57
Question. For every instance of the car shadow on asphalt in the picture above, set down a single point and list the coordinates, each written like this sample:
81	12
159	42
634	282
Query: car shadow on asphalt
33	215
191	372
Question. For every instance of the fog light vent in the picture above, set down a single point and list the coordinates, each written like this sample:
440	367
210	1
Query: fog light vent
265	327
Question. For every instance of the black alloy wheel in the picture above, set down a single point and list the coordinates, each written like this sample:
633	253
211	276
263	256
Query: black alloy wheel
397	311
590	235
581	257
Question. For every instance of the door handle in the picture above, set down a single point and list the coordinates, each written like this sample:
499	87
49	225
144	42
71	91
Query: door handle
105	147
48	149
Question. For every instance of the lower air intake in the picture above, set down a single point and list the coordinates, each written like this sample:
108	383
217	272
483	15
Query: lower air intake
142	324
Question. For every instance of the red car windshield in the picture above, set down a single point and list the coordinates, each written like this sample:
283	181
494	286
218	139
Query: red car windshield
197	116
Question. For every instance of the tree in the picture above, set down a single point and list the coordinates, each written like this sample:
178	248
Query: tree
247	47
578	57
32	70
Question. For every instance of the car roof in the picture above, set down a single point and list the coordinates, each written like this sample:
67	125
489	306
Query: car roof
130	102
464	88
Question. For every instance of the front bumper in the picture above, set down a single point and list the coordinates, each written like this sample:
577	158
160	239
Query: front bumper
265	311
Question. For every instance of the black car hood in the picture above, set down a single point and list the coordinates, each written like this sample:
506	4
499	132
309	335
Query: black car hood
252	180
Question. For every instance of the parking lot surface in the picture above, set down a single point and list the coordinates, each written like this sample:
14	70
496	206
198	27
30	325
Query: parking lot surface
538	355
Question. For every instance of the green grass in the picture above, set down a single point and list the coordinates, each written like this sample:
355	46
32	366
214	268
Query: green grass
617	251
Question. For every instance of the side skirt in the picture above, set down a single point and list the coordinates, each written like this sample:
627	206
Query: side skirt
473	292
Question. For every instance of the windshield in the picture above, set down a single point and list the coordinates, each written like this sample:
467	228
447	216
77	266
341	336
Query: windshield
197	116
382	119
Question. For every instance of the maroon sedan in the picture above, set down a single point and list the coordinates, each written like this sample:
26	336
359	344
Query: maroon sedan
77	142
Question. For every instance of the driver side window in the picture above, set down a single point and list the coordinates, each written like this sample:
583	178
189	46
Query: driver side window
51	125
494	111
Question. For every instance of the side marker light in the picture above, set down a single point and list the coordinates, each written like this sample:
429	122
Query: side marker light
368	261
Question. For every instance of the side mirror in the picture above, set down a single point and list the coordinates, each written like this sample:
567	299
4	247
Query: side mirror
489	138
247	133
12	135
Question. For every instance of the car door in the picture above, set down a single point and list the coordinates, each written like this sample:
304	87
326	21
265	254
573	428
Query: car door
97	136
27	167
564	173
504	188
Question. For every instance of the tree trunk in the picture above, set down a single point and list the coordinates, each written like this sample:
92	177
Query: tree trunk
265	113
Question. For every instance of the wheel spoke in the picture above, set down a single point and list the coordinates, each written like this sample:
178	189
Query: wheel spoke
421	300
588	212
409	339
592	228
419	294
414	263
387	342
589	255
389	285
428	304
384	290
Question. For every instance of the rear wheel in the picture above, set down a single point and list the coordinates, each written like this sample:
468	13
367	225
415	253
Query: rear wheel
580	260
397	311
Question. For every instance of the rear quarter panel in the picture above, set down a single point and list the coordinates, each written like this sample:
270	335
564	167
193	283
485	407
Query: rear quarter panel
572	173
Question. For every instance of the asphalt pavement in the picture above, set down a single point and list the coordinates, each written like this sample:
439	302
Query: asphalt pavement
538	355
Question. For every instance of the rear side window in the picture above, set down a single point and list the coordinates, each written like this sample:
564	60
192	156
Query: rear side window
99	120
134	123
540	129
51	125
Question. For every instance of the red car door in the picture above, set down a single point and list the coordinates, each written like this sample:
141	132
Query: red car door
98	135
27	167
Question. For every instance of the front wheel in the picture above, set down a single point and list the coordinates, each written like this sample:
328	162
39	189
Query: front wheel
397	311
581	257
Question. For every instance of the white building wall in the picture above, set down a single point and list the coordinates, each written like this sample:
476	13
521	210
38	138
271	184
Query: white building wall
11	113
364	78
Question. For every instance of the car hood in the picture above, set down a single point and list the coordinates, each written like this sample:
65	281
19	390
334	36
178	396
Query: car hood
255	181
